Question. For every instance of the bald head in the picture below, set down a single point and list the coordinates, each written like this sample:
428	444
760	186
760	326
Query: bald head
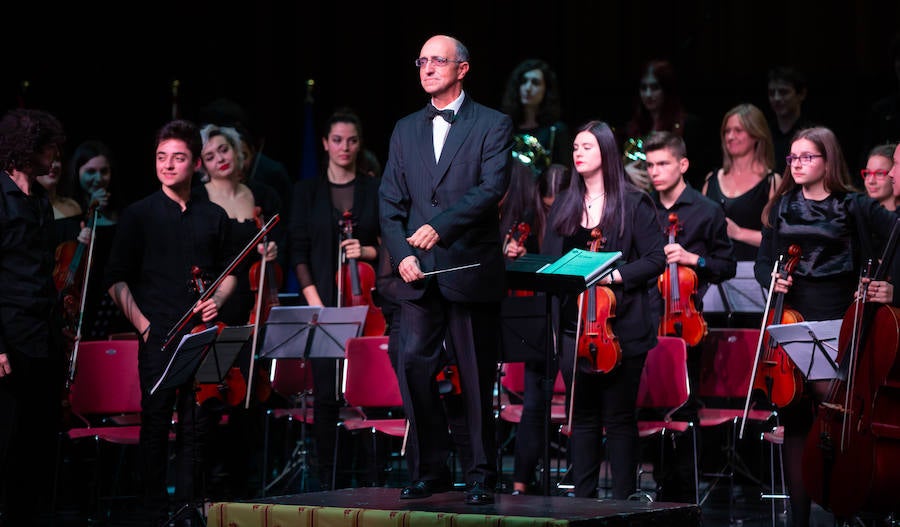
445	64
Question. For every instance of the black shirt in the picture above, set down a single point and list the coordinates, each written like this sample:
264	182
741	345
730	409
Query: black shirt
27	293
701	230
155	247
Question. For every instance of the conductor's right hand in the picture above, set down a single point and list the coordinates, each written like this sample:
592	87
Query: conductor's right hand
409	269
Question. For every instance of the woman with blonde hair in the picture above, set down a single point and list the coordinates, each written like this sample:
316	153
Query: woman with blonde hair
746	181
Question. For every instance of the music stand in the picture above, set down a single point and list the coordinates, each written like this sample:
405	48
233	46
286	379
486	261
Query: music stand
223	352
739	295
571	274
185	359
523	332
301	332
802	340
304	332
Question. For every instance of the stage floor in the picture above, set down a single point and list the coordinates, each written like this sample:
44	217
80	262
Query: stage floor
381	507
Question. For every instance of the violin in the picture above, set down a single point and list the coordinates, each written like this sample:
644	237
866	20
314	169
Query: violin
69	273
597	344
852	451
776	374
176	330
266	279
678	286
519	232
360	277
233	387
72	286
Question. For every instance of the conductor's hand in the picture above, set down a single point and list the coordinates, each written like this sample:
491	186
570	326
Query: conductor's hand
409	269
424	238
208	309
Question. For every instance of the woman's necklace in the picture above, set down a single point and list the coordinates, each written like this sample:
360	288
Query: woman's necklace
589	201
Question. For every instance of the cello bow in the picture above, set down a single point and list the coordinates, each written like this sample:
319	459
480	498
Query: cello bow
208	292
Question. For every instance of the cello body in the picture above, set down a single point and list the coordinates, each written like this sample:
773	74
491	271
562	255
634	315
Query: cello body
852	453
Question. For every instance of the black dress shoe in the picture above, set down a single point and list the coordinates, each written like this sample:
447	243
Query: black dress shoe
422	489
478	494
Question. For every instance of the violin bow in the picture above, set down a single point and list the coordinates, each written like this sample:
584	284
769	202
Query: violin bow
84	288
257	315
176	329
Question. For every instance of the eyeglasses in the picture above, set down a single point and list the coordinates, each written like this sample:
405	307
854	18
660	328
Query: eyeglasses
439	62
879	174
805	159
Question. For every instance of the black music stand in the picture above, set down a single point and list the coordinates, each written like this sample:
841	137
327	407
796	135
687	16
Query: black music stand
223	352
186	359
552	276
802	341
192	359
304	332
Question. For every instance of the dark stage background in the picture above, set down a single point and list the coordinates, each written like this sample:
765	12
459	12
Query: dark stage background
107	71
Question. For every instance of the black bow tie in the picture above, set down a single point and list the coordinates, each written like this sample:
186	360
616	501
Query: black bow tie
431	112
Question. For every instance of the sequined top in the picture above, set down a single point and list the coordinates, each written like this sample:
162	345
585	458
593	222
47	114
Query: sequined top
827	233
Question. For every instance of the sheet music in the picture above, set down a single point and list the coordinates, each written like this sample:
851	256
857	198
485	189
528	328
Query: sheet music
799	341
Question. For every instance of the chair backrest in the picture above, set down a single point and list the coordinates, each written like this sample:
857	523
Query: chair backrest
727	358
106	378
664	380
370	378
292	377
512	378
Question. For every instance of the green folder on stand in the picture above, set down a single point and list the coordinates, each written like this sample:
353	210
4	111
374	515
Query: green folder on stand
570	273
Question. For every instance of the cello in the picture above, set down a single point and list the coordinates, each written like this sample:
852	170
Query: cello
360	277
852	452
776	374
678	286
597	306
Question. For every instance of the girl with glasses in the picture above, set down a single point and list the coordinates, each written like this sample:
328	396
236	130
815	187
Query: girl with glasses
879	185
816	207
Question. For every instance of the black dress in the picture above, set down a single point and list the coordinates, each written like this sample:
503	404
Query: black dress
745	210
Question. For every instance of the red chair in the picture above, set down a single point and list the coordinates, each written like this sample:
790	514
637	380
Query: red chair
664	388
105	391
370	383
512	380
727	360
292	380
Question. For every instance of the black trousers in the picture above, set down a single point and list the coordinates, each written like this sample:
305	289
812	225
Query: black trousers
193	423
30	403
471	330
603	402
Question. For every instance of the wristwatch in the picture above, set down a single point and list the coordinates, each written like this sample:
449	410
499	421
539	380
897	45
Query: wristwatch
701	263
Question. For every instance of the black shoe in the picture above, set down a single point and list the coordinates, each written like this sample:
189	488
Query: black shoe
478	494
422	489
